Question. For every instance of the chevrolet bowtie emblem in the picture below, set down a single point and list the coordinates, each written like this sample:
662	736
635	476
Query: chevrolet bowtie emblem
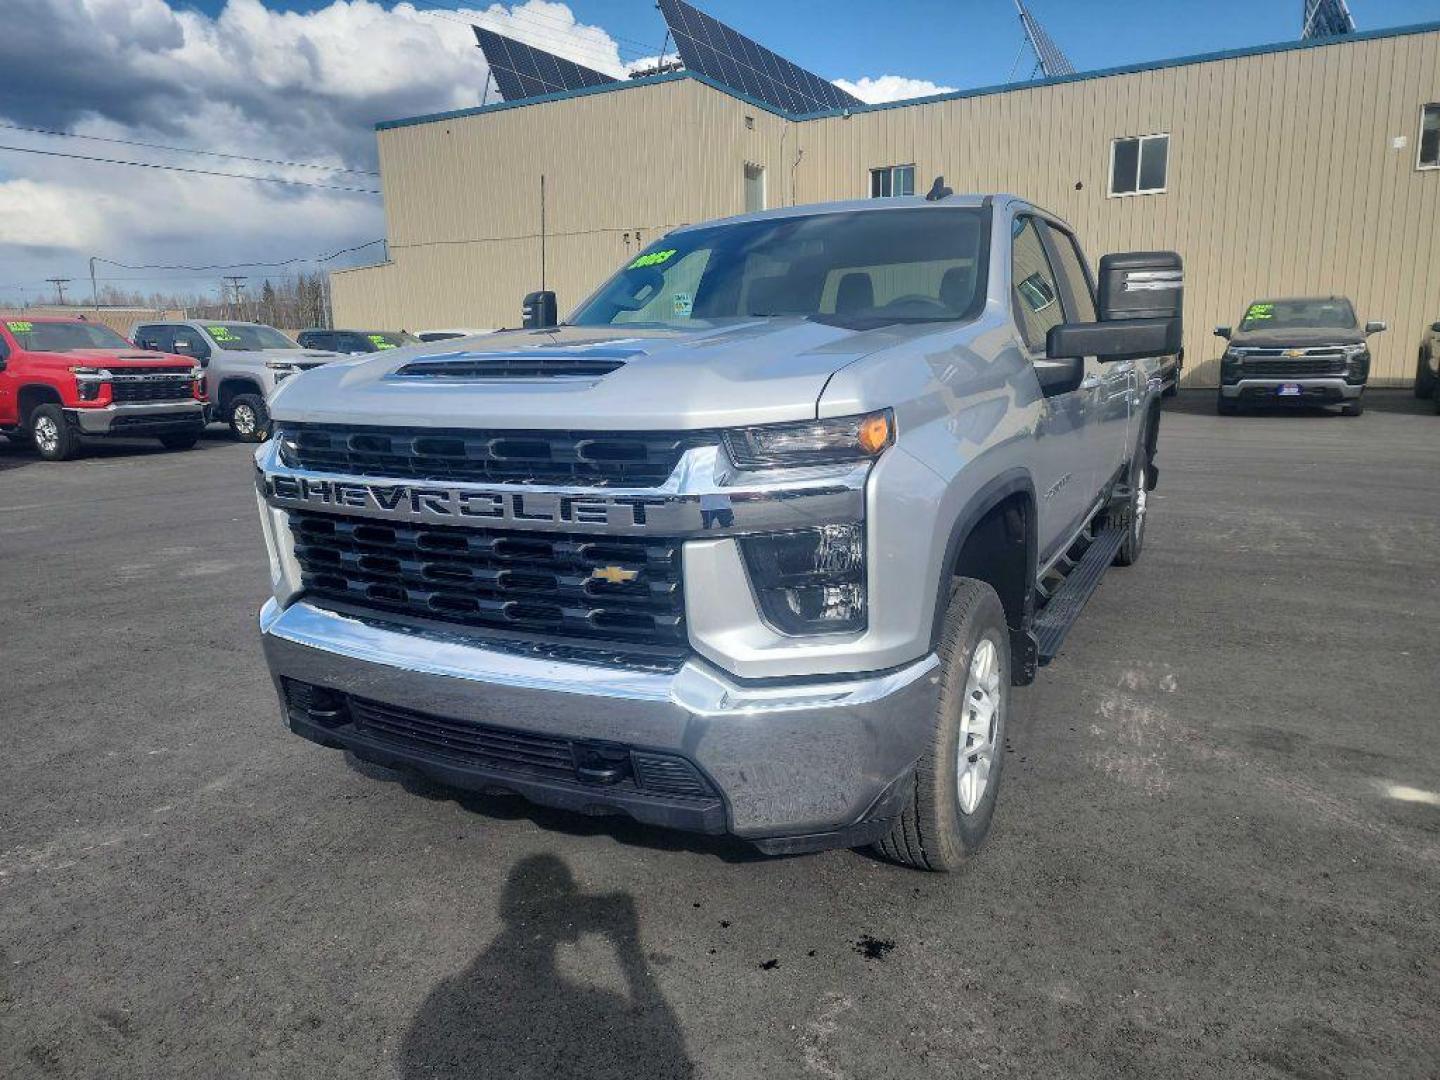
1293	353
615	575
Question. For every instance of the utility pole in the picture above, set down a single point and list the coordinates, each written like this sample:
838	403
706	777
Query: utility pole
236	282
59	283
542	231
94	292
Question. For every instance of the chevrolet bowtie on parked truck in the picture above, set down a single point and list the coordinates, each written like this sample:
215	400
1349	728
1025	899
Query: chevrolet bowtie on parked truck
757	542
64	379
1304	351
243	363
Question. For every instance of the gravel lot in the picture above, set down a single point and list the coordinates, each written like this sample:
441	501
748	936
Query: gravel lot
1217	851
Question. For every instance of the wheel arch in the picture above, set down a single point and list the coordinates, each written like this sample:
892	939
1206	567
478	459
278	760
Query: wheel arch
994	540
32	396
231	387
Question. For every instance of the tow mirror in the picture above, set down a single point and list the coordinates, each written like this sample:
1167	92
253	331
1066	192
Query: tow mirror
539	311
1223	331
1121	339
1374	327
1141	298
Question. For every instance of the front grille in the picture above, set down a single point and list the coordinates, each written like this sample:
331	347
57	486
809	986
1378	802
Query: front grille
501	750
1302	367
150	421
125	390
530	582
591	459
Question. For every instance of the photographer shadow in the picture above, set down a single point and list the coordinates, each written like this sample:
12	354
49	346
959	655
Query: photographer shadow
513	1014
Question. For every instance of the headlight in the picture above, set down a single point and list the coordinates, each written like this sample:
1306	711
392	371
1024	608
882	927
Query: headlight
811	581
812	442
88	381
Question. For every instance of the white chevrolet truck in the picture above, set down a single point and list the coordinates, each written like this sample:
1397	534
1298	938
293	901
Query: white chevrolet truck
756	542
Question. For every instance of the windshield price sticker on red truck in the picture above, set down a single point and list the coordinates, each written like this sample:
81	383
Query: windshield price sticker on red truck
1260	311
20	327
654	258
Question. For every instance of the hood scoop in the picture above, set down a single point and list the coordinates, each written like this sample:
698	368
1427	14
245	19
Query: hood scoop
585	362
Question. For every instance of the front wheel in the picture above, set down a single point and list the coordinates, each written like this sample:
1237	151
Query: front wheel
1425	379
1352	408
179	440
1132	514
958	778
53	438
249	418
1226	406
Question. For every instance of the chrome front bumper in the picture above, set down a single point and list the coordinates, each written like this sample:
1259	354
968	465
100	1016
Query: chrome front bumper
1346	391
143	418
812	762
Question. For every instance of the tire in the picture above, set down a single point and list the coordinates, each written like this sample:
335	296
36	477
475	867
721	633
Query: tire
1173	389
1353	408
53	438
249	418
1225	407
1425	380
946	823
1133	515
180	440
1437	399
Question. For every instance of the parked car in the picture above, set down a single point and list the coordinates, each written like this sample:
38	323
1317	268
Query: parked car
355	341
897	441
243	363
1427	366
63	380
448	335
1301	351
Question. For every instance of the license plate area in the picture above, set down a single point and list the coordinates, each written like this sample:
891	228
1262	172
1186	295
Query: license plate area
1289	389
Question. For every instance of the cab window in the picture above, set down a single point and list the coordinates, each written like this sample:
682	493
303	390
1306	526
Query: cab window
1036	294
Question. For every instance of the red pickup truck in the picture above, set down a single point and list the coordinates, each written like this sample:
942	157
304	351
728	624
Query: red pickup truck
64	379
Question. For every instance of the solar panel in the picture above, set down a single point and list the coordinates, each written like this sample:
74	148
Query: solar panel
730	58
1326	18
522	71
1052	61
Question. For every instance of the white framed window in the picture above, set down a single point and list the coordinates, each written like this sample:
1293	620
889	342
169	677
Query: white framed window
1428	154
1139	164
892	180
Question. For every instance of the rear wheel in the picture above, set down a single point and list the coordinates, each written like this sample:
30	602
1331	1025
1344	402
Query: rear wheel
54	440
1425	379
958	778
249	418
179	440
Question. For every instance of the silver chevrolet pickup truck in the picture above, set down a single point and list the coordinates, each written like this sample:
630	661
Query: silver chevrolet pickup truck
756	542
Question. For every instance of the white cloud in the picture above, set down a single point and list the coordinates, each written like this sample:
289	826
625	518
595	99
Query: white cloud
291	86
890	88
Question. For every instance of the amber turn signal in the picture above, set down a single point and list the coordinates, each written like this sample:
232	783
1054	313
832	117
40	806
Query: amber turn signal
876	432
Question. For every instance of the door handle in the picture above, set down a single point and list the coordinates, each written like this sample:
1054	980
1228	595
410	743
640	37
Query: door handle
1090	382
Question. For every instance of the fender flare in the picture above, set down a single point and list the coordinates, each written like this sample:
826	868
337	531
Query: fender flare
992	494
233	386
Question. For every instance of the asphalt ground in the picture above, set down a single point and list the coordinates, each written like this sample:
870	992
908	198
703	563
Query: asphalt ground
1217	850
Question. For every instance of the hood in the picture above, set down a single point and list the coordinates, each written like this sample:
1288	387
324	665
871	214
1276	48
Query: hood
115	359
599	378
1303	337
295	356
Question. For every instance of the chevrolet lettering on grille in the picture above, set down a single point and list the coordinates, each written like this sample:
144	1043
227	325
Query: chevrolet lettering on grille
430	502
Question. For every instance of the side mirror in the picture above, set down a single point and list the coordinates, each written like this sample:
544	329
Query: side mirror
539	311
1374	327
1122	339
1223	331
1141	285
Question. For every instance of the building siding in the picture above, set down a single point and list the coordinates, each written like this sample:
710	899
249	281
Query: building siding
1282	180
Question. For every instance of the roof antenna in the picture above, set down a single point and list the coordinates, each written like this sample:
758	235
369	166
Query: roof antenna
938	190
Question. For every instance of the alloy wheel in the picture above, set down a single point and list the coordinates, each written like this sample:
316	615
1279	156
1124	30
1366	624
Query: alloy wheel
980	726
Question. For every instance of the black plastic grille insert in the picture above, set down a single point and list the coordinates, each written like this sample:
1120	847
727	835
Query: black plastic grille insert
615	589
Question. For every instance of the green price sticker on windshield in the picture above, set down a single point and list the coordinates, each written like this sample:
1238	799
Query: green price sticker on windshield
221	333
20	327
654	258
378	340
1260	311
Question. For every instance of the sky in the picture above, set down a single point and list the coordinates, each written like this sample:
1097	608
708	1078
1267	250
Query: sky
302	83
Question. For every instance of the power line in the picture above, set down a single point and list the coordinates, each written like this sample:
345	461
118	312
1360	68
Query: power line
182	169
187	150
243	265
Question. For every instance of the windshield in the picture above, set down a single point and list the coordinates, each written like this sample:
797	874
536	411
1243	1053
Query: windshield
64	336
247	337
1331	313
867	268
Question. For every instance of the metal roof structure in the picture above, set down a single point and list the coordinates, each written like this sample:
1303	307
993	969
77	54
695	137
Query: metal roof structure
1326	18
726	56
1048	57
522	71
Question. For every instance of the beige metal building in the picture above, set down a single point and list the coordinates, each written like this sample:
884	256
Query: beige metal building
1298	169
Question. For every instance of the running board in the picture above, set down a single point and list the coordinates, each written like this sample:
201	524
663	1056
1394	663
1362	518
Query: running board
1065	604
